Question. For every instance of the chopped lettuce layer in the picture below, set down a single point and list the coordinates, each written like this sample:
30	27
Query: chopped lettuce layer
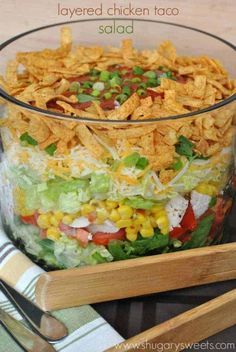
68	195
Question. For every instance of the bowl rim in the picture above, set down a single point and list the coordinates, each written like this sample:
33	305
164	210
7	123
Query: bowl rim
5	96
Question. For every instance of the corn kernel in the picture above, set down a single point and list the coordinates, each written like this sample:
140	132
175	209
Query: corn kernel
160	212
161	221
67	219
165	230
86	209
53	233
102	215
132	229
153	221
140	218
101	204
114	215
110	204
206	188
44	221
132	236
147	231
58	215
54	221
124	223
125	211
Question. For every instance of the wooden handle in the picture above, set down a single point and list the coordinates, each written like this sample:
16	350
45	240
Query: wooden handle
135	277
189	327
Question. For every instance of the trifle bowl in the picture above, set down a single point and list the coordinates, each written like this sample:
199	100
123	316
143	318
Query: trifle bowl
116	146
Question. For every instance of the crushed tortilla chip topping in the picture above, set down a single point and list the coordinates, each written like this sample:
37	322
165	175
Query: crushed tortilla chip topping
45	81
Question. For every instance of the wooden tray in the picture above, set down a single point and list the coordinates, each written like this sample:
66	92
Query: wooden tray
129	278
187	328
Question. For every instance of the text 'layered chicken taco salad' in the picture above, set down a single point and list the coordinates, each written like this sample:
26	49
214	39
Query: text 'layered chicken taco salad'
77	193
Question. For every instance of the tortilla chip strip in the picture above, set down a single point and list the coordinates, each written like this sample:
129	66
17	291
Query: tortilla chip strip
132	132
125	109
52	139
99	110
88	140
77	112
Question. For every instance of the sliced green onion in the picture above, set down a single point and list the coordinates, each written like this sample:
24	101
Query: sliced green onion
143	85
114	90
126	90
104	76
114	74
168	75
150	74
141	92
121	98
50	149
138	70
84	98
87	84
142	163
152	82
99	86
74	87
107	95
115	81
177	243
132	159
136	80
95	93
107	85
25	137
94	72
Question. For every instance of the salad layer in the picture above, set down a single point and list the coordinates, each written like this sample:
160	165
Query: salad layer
72	210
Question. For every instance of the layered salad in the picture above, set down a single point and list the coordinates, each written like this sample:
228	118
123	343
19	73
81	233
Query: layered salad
113	180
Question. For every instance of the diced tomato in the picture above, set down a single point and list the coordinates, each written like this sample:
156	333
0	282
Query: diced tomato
68	93
107	104
154	94
53	105
181	79
83	237
68	230
103	238
30	219
177	232
140	211
189	221
82	106
134	87
82	78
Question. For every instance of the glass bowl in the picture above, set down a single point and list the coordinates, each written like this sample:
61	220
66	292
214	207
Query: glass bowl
77	207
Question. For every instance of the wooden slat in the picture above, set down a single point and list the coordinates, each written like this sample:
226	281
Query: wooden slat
129	278
190	327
